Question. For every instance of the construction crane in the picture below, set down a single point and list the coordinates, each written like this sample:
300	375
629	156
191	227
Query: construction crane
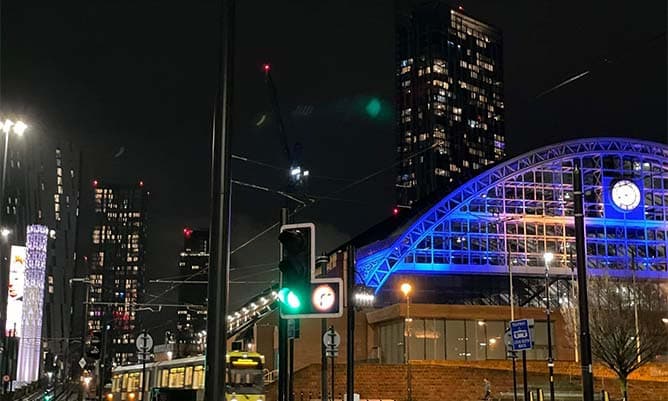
298	175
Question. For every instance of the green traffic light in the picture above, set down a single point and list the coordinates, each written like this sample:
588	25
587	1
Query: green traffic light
293	300
289	298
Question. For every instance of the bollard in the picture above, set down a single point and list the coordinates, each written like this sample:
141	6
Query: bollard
539	395
531	396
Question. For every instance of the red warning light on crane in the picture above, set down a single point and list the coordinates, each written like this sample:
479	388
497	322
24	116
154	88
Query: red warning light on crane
187	232
266	67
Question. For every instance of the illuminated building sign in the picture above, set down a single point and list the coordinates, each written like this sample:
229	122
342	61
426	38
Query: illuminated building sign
17	265
33	300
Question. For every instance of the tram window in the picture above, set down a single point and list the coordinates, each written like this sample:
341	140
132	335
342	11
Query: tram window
164	378
176	377
189	376
198	377
133	381
116	384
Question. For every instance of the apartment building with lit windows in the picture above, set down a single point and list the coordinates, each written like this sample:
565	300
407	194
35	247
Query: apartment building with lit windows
449	98
191	319
42	187
116	269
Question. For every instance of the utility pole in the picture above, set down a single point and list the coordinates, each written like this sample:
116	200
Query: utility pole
282	337
583	301
550	359
350	348
219	257
144	355
323	362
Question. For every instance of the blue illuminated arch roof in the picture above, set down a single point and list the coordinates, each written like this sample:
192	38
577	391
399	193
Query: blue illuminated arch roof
512	213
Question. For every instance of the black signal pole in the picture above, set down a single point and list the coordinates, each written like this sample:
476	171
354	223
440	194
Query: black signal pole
583	302
219	257
282	338
350	337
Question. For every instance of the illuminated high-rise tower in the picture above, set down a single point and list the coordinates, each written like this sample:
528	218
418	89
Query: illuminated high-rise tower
117	269
193	265
449	94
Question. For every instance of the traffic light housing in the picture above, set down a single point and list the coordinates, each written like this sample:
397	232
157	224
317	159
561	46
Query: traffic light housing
300	294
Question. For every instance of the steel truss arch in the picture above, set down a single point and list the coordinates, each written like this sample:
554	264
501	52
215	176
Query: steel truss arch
378	261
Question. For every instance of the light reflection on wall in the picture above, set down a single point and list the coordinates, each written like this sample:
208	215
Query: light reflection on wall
29	350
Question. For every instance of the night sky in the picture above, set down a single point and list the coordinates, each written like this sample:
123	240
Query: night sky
137	79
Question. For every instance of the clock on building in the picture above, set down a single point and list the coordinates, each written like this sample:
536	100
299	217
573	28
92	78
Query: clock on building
625	195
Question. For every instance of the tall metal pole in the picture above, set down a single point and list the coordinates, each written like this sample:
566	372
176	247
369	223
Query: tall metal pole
514	375
350	348
550	360
103	362
282	339
4	264
219	257
291	362
635	303
573	293
323	361
583	302
512	304
144	355
524	375
407	342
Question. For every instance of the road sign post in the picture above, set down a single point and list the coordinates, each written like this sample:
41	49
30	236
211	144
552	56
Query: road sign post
332	340
521	339
144	344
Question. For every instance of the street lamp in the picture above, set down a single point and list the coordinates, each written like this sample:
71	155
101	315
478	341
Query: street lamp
406	290
549	256
4	232
18	128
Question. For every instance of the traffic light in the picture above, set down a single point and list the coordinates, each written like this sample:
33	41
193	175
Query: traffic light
301	295
295	266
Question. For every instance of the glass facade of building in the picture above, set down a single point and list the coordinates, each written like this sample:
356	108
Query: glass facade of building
449	96
512	214
452	339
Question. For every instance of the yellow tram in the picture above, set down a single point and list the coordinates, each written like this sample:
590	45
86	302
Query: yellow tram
245	377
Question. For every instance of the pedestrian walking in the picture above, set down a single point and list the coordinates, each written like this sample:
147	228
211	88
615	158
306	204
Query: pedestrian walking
488	389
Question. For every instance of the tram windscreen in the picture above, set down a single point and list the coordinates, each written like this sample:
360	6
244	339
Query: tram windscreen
245	376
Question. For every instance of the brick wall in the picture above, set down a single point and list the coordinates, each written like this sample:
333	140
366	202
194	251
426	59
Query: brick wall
443	382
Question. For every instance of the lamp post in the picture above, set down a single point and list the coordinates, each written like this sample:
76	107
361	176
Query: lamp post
406	290
548	256
18	128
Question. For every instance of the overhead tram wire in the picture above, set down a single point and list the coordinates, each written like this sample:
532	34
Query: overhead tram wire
264	164
298	208
188	279
344	188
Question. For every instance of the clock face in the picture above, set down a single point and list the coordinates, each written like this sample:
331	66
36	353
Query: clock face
625	195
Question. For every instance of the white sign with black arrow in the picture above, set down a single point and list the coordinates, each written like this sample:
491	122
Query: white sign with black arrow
331	339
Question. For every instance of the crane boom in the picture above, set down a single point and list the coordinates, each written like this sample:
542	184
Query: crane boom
277	113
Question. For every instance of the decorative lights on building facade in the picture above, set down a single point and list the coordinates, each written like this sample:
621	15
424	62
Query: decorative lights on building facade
33	302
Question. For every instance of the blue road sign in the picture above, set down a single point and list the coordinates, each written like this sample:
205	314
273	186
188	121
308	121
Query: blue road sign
520	331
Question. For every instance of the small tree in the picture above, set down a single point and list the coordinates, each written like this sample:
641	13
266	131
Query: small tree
616	339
